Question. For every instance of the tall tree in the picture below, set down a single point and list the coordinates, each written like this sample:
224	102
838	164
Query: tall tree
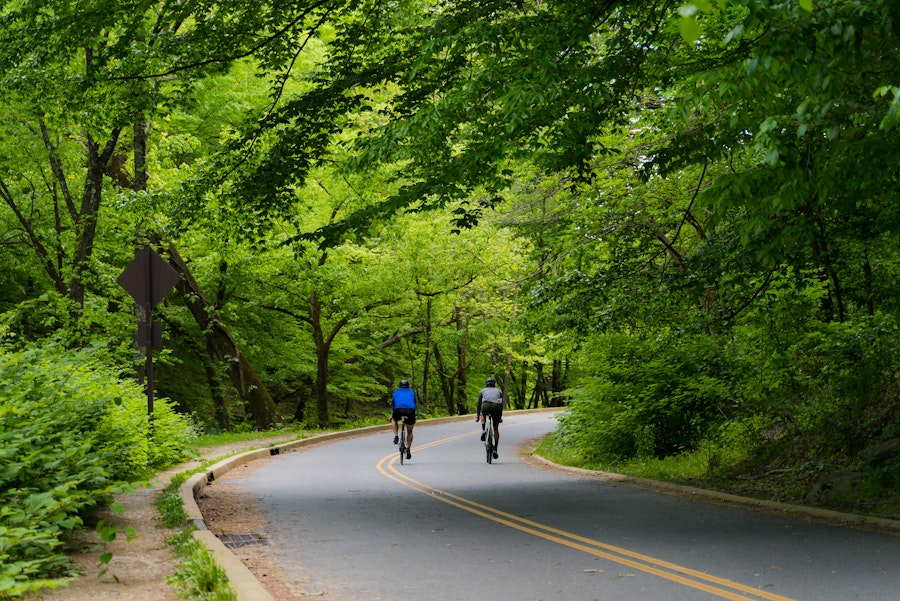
81	85
793	99
326	291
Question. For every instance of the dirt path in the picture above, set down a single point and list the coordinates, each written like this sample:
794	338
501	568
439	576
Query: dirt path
139	568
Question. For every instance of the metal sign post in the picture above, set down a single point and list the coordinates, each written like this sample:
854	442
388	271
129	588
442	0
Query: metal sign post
148	278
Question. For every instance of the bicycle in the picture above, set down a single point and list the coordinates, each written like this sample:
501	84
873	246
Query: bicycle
489	446
402	440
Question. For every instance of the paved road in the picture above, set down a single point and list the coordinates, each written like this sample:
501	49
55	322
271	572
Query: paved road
347	520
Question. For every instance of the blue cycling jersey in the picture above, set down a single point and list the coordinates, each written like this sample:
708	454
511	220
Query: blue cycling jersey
404	398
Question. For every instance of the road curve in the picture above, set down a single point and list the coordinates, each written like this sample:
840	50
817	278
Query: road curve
348	521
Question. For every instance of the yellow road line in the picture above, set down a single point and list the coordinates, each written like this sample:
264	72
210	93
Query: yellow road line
644	563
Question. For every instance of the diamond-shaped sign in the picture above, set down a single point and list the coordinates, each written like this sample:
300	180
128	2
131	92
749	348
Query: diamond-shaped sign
148	278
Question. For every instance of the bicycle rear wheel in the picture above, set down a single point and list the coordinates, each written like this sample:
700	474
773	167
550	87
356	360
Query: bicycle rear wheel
489	439
402	440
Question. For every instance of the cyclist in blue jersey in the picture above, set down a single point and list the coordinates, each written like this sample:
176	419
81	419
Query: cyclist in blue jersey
490	401
403	403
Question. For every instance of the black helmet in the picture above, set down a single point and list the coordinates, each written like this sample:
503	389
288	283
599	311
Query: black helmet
490	381
404	383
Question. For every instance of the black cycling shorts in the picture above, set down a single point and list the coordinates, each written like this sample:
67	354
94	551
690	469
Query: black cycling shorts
495	410
399	412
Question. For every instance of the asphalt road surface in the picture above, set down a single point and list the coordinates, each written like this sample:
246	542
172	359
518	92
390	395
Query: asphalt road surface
348	522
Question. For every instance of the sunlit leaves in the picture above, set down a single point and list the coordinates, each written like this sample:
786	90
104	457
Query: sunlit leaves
492	82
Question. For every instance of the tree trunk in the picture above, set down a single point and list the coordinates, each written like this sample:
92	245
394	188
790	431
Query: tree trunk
300	412
462	403
220	405
823	258
867	284
322	349
539	396
141	134
84	217
522	389
558	381
426	362
210	369
446	385
323	343
244	378
86	224
507	380
322	387
50	258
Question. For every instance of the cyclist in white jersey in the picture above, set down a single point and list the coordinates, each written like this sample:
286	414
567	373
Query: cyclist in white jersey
490	401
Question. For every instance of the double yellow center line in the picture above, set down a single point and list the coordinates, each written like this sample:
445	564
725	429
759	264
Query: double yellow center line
719	587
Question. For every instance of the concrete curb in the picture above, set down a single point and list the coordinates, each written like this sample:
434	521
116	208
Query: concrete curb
248	588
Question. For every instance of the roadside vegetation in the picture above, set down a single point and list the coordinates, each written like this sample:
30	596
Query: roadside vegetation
833	445
72	434
198	577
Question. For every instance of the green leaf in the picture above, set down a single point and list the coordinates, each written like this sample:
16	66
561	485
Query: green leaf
689	29
806	5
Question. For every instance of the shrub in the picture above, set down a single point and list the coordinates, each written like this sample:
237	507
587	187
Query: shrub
827	382
71	434
650	398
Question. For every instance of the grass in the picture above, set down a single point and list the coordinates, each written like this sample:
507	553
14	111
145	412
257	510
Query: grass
734	470
198	576
702	467
226	438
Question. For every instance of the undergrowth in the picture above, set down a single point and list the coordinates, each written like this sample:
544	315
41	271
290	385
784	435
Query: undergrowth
198	577
72	435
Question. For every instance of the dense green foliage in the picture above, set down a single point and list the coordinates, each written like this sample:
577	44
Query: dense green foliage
679	219
746	256
71	434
